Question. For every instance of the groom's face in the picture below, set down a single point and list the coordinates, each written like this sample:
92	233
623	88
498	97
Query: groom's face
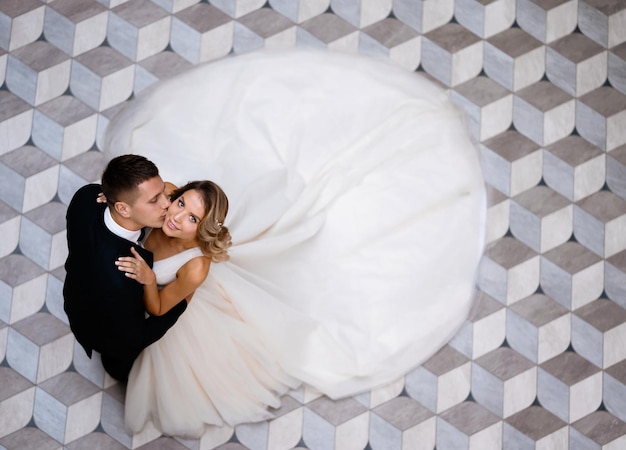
151	203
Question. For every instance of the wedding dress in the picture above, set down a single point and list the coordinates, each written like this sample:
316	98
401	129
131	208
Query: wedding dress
210	370
357	215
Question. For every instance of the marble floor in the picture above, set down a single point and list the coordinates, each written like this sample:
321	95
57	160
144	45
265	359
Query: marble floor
541	361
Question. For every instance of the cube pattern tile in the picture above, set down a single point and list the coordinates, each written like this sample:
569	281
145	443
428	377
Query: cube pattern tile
540	362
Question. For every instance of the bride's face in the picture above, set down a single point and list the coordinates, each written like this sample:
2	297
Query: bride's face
184	215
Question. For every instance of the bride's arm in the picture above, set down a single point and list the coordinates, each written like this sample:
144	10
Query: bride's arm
188	278
159	302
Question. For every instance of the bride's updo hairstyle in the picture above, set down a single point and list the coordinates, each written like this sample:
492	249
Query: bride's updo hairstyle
212	234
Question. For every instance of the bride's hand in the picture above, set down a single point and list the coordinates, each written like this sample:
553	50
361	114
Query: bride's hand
135	267
101	198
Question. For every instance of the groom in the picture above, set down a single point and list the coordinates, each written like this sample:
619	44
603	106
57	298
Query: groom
105	308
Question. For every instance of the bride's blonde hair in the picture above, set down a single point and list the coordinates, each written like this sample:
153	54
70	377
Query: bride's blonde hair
212	234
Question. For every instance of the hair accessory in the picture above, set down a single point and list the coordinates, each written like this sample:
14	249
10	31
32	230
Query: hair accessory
219	224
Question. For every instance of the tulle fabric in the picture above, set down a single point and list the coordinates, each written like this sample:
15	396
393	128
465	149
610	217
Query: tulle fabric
357	216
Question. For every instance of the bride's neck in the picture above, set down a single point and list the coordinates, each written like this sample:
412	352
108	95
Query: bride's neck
177	243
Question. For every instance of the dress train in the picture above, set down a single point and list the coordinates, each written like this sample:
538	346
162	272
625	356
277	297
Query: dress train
357	216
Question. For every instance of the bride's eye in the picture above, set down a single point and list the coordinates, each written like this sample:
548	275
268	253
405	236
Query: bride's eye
181	203
193	219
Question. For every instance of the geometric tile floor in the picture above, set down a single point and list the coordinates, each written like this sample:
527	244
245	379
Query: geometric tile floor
540	363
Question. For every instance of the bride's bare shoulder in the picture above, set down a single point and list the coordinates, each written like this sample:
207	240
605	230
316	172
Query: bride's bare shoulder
170	188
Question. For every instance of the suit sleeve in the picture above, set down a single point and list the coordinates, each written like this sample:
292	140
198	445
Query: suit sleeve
157	326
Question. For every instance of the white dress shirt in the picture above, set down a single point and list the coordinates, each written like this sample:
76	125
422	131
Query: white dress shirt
118	230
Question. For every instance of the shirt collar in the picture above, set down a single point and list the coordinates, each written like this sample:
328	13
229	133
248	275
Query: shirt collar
118	230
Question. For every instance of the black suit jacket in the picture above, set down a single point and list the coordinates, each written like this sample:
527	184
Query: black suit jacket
104	307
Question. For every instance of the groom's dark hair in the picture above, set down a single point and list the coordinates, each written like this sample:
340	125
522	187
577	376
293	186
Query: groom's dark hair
122	176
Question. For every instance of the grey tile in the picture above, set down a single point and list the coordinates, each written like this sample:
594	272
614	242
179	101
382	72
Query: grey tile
535	423
325	28
265	22
547	20
390	32
576	64
598	21
569	386
402	423
96	441
30	438
27	161
504	363
202	18
538	309
448	48
485	17
569	368
76	26
422	15
484	329
444	360
17	397
50	217
202	33
599	222
514	59
615	278
541	218
13	383
504	382
596	430
15	121
602	314
22	22
258	28
403	412
41	328
90	71
614	389
78	171
457	427
572	275
336	412
139	29
600	118
508	252
511	162
10	221
598	332
617	67
616	171
38	72
572	257
158	67
538	328
544	113
469	417
16	270
574	167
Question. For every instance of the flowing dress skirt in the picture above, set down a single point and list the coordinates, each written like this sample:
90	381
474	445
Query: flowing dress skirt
357	215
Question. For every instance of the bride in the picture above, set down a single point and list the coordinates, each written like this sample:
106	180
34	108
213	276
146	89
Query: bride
357	216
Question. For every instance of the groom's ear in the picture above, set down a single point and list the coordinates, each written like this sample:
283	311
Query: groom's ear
123	209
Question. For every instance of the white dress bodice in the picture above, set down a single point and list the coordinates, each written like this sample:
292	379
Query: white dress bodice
165	269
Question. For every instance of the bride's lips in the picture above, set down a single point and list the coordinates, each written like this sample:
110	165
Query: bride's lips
171	225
